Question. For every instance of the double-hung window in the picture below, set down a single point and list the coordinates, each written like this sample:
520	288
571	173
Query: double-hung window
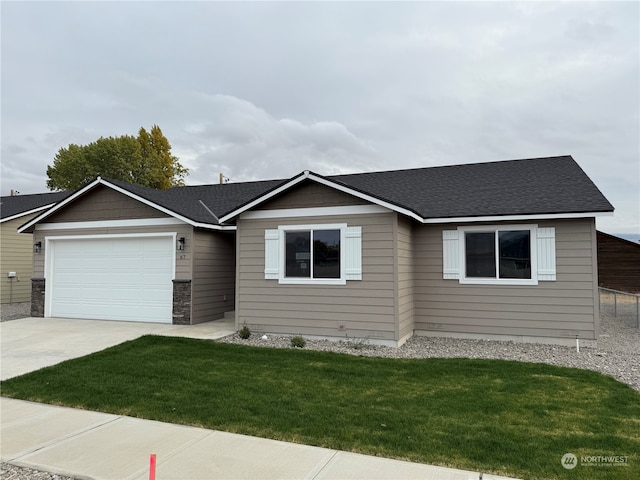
499	255
316	254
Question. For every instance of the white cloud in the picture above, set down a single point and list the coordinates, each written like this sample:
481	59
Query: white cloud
265	90
247	143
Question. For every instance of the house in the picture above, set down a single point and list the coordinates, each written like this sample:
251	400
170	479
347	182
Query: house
501	250
15	249
618	263
117	251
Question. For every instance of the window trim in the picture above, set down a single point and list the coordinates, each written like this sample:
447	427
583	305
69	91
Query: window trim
283	229
533	249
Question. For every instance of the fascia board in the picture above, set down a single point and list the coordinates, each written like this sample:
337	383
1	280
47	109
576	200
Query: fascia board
366	197
510	218
59	205
263	198
29	212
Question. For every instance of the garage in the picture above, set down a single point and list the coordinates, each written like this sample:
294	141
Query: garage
111	277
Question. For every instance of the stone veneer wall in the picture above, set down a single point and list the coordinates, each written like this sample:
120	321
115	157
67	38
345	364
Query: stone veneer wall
37	297
182	302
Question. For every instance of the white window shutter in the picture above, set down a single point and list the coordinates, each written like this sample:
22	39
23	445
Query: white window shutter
352	252
271	254
450	254
546	243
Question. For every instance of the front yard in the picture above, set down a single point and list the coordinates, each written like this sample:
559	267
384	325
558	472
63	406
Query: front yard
511	418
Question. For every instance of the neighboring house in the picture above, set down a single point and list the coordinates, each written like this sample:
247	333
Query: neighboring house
618	263
489	250
15	249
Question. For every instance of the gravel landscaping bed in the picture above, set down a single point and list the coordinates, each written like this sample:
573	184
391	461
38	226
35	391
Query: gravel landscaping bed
11	472
617	354
13	311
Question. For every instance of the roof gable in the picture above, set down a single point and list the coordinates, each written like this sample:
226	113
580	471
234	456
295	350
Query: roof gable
310	176
104	203
311	194
129	190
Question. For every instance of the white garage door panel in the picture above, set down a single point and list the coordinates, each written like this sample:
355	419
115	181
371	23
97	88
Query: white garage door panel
113	279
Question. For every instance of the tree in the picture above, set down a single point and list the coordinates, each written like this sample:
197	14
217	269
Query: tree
143	160
163	168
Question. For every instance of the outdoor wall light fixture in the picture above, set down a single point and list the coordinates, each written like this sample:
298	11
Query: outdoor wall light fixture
180	243
37	247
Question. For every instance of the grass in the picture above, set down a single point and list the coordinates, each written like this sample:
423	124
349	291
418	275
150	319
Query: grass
509	418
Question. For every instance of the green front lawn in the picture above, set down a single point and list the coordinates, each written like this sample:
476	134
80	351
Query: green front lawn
509	418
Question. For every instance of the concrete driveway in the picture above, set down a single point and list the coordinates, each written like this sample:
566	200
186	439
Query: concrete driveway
29	344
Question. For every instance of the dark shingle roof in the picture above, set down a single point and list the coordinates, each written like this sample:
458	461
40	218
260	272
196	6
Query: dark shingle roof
549	185
218	198
10	206
537	186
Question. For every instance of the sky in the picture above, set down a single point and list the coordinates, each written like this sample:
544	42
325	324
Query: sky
263	90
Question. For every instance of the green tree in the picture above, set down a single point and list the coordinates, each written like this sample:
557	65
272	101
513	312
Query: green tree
143	160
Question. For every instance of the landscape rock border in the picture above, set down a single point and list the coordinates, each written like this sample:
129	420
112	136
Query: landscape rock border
617	353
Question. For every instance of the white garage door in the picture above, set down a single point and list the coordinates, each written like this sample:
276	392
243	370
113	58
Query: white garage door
126	278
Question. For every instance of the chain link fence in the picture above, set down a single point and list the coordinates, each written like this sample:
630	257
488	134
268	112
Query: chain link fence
623	306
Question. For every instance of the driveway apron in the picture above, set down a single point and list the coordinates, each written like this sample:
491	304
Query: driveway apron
30	344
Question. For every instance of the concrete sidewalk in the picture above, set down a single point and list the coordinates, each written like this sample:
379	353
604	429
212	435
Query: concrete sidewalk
100	446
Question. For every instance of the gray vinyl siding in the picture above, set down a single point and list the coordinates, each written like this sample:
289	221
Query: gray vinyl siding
405	277
16	251
558	309
312	195
103	203
213	284
360	309
183	259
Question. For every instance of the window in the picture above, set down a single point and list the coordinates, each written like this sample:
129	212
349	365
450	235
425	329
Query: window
513	259
321	261
515	254
480	255
318	254
502	255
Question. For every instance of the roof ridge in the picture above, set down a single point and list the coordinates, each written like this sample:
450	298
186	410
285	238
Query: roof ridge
230	183
456	165
35	194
